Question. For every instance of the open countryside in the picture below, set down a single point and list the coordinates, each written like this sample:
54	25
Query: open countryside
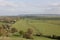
39	29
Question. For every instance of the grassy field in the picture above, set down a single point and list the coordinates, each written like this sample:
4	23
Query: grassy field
46	27
19	38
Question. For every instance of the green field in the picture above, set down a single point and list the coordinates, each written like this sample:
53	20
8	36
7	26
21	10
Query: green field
46	27
19	38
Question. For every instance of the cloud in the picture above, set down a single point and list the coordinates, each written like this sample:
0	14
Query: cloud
28	7
5	3
55	4
53	8
20	6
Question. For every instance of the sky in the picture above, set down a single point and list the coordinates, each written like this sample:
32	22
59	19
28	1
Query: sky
16	7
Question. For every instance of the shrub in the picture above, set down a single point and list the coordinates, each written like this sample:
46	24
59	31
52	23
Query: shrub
21	32
28	34
30	31
38	34
13	30
16	34
0	31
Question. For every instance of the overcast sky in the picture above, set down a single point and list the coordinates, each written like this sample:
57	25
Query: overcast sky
15	7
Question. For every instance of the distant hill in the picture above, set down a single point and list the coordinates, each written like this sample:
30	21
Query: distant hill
45	15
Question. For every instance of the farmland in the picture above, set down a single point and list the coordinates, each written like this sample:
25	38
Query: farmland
46	27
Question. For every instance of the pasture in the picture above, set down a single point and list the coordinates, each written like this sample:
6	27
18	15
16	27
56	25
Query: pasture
46	27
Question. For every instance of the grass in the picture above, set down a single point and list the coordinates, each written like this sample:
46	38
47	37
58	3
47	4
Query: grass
47	27
19	38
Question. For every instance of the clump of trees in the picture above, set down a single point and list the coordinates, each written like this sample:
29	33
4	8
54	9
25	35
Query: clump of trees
8	20
6	29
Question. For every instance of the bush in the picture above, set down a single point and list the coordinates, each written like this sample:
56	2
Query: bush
16	34
28	34
0	31
30	31
38	34
21	32
13	30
